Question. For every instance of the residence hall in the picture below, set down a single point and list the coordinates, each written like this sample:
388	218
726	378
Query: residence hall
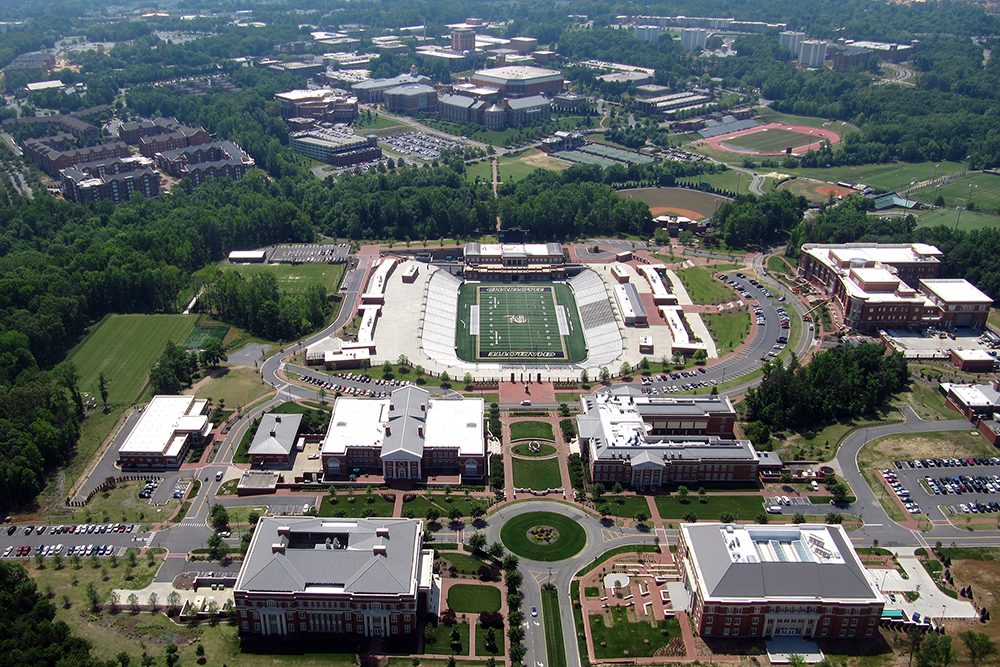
516	262
167	426
650	441
777	580
407	436
892	285
354	577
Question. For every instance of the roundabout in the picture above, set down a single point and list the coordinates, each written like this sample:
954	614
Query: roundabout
543	536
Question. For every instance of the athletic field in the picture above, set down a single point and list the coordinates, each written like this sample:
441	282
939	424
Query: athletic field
772	139
526	323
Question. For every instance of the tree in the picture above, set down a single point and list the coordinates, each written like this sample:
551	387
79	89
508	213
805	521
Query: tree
496	551
218	517
799	518
584	376
154	601
216	547
605	375
641	517
682	495
102	388
433	515
212	352
173	601
841	493
625	369
133	602
935	651
252	518
477	541
979	646
445	379
455	514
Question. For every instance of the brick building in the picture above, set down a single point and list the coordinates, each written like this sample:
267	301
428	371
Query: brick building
958	303
777	580
646	441
323	104
411	98
273	444
520	80
336	147
57	152
219	159
407	436
353	577
114	180
166	428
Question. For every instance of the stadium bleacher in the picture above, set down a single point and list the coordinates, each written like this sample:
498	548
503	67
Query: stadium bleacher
600	328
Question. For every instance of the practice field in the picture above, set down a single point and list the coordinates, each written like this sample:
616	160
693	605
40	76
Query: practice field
693	204
981	188
295	278
773	139
125	347
815	191
519	323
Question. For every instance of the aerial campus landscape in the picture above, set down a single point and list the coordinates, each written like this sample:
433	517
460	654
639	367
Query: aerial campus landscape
475	333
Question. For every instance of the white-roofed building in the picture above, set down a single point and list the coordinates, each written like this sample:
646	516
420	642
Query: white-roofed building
406	436
305	576
959	302
504	261
247	256
166	428
520	80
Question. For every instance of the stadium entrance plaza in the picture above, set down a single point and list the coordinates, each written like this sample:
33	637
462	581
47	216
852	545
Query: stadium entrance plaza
399	330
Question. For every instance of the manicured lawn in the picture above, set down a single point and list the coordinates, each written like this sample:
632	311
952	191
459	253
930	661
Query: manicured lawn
543	449
539	475
770	140
473	598
570	540
630	638
624	506
236	386
438	639
840	127
377	122
296	278
703	287
611	553
967	221
345	505
423	503
821	445
552	622
531	429
464	563
984	193
728	330
121	504
726	181
125	347
889	176
776	264
744	508
481	648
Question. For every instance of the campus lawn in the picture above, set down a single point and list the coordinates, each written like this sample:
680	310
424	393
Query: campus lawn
821	445
531	429
121	504
777	264
539	474
630	638
726	181
483	170
377	122
984	191
463	563
423	503
927	400
624	506
743	507
886	176
840	127
967	221
473	598
295	278
437	639
570	540
515	168
481	649
703	287
543	450
552	622
236	386
728	329
356	504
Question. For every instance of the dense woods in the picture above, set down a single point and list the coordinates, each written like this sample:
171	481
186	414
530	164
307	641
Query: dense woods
759	221
257	305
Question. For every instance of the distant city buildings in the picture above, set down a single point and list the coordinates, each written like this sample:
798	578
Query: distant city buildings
694	39
791	40
812	53
647	33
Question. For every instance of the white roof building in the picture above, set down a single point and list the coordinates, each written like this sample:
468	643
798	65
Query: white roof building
165	425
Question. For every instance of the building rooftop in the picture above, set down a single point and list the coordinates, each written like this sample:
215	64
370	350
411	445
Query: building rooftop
973	395
518	73
973	355
513	249
528	102
954	290
276	434
357	556
762	562
411	89
165	424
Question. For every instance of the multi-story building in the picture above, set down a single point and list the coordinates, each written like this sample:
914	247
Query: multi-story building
133	131
55	153
520	80
647	441
407	436
791	40
166	428
114	180
757	581
527	110
273	444
411	98
892	285
73	123
341	149
694	39
182	137
523	44
514	261
647	33
219	159
463	39
305	576
461	109
812	53
319	104
371	91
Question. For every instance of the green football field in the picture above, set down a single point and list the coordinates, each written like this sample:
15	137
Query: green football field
526	323
770	140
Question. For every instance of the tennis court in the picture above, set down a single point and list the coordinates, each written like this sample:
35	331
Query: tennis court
519	322
200	333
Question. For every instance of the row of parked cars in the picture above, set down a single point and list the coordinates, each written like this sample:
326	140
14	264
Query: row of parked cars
75	529
901	491
949	463
978	508
351	390
960	484
46	550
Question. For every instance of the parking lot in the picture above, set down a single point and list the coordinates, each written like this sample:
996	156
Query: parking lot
952	483
67	540
309	253
419	145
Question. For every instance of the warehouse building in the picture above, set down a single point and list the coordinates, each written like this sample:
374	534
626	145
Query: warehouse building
306	576
520	80
167	426
761	581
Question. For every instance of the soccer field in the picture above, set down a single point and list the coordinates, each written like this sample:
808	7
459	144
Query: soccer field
519	323
770	141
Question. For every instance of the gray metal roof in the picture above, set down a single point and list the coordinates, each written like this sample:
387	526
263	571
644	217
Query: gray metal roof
276	434
462	101
725	578
405	425
360	556
635	301
528	102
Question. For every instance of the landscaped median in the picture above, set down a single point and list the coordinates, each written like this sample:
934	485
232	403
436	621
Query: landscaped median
552	622
543	536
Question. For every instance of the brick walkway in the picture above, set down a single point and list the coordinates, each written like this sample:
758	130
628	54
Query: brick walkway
514	392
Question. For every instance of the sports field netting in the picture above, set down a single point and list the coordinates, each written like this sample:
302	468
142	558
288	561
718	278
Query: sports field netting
536	322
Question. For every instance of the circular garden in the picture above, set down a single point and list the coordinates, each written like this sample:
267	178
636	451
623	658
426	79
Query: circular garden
543	536
533	449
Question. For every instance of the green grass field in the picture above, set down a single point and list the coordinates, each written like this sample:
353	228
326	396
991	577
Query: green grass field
967	221
728	329
543	450
628	638
568	540
703	287
552	621
769	141
728	181
890	176
199	334
531	429
984	193
840	127
296	278
473	598
743	507
125	347
537	474
518	322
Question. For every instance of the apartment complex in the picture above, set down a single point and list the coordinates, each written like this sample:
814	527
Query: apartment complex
161	134
756	581
307	576
205	162
57	152
407	436
115	180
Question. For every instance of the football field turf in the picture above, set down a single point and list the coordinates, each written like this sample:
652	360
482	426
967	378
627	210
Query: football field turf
525	323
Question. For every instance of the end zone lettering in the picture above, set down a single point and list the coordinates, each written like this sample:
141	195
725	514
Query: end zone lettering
522	355
515	289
